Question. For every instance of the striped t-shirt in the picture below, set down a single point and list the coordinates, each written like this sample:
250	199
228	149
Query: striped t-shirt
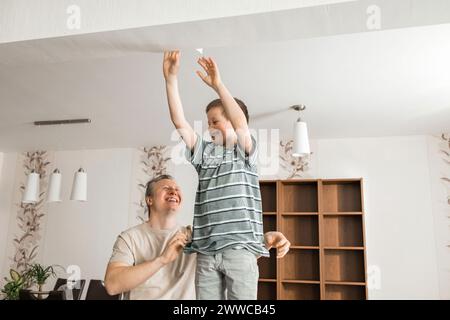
228	210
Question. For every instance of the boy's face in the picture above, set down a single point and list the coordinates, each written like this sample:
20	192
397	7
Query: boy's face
219	127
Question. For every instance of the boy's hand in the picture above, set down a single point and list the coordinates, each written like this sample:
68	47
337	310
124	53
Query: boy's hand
212	77
171	64
278	240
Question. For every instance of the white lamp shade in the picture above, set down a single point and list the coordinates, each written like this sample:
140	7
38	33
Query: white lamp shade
79	187
301	140
54	189
31	194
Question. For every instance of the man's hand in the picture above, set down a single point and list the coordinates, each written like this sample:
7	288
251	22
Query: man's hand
171	64
212	77
174	248
278	240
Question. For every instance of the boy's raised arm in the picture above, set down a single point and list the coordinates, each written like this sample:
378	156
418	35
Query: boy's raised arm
232	109
171	65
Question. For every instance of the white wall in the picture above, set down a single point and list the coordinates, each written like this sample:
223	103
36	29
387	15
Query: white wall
7	175
440	190
82	233
407	256
4	216
400	237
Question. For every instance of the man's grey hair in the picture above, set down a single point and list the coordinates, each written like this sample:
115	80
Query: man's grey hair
150	185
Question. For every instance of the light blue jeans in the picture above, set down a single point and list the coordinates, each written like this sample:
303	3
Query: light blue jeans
234	271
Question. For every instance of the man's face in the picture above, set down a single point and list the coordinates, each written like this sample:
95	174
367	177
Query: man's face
166	196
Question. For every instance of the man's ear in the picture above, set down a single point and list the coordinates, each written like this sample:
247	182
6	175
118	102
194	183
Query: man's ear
149	201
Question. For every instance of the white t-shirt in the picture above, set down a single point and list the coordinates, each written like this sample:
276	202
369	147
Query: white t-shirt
175	281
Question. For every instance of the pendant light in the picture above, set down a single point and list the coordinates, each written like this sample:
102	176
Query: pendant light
31	194
79	187
301	140
54	189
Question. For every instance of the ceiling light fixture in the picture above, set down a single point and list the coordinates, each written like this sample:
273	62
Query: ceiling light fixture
58	122
79	186
301	139
31	193
54	190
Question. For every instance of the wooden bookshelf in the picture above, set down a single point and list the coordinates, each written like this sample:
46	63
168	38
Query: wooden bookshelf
324	221
267	284
267	290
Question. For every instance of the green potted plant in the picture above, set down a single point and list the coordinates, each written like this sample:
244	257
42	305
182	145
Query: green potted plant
38	274
13	285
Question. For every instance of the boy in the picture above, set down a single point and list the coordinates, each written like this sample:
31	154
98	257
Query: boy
227	230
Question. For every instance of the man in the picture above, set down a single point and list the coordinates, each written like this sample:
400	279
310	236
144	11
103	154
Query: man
148	260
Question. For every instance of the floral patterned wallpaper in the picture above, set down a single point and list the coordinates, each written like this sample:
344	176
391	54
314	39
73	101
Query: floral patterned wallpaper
29	216
153	163
295	167
445	150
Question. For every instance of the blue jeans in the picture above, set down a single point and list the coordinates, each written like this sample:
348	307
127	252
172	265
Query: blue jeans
234	271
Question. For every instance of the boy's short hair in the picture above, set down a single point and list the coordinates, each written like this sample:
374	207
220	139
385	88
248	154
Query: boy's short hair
218	103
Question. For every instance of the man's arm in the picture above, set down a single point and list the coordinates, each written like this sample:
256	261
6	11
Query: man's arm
232	109
121	277
170	68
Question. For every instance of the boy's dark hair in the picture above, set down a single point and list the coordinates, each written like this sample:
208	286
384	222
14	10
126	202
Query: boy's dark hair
218	103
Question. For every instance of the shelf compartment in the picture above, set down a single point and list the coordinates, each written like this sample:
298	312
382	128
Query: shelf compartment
269	223
300	196
343	196
344	292
268	196
301	265
344	265
268	266
297	291
301	230
267	291
343	231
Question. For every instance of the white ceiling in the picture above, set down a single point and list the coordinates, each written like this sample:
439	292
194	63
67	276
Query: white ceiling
383	83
